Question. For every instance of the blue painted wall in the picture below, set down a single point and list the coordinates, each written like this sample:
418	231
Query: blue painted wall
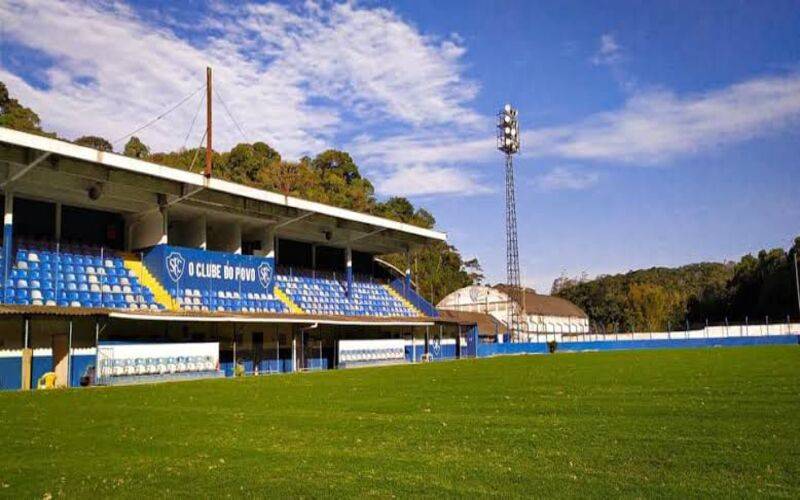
41	365
676	343
317	363
447	351
509	348
10	373
282	365
79	364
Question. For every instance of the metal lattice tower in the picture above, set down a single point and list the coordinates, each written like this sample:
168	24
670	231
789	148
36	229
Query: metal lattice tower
508	143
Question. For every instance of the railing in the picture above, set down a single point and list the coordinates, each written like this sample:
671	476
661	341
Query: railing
716	331
414	298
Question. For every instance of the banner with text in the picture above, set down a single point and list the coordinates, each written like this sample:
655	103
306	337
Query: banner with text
179	268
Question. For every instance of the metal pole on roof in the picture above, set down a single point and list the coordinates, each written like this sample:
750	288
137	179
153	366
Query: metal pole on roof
209	150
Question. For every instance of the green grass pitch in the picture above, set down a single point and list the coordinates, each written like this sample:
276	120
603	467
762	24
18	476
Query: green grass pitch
702	422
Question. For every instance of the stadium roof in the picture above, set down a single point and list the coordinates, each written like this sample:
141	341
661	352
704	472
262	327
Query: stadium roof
54	170
547	305
486	323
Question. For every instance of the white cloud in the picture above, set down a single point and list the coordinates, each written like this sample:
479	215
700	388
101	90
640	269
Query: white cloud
650	128
294	77
654	127
426	180
609	52
325	75
563	178
425	147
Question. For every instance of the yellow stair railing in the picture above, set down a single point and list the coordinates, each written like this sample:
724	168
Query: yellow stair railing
287	301
402	299
134	263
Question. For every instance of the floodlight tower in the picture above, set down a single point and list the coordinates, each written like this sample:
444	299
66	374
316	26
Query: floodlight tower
508	143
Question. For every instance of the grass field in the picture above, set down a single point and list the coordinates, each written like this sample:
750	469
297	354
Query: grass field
708	422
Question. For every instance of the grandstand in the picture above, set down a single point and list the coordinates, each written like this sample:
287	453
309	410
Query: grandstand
102	249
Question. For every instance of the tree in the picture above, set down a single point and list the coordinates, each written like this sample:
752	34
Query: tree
287	178
338	163
755	287
650	307
95	142
564	281
423	218
397	208
244	162
474	271
16	116
135	148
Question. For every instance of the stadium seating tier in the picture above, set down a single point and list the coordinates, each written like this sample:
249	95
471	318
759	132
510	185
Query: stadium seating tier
44	273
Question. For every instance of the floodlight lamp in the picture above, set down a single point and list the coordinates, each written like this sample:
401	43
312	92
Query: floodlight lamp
507	118
508	130
507	108
513	132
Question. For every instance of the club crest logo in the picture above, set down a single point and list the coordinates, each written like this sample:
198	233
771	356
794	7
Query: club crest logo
264	274
436	348
175	265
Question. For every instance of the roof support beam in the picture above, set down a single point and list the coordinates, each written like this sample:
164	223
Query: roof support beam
24	170
293	220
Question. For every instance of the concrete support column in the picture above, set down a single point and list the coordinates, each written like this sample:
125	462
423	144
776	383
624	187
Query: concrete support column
237	238
313	257
163	236
348	257
198	230
196	235
268	242
8	236
294	351
58	222
226	238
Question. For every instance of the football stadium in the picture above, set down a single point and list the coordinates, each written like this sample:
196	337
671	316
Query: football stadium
121	272
230	323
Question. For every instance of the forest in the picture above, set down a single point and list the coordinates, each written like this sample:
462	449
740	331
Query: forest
756	289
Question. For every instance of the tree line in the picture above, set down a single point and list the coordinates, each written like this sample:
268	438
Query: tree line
331	177
755	289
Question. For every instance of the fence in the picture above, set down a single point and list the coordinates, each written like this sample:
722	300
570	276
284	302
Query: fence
718	331
711	336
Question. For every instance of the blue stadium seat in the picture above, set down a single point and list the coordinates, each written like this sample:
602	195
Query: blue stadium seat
72	276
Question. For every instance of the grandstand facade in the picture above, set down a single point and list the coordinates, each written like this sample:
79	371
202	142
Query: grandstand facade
544	316
99	249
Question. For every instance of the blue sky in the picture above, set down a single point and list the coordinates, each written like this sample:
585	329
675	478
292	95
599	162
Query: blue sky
653	133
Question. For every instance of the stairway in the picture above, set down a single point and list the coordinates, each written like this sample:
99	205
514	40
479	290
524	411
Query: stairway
287	301
133	263
402	299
